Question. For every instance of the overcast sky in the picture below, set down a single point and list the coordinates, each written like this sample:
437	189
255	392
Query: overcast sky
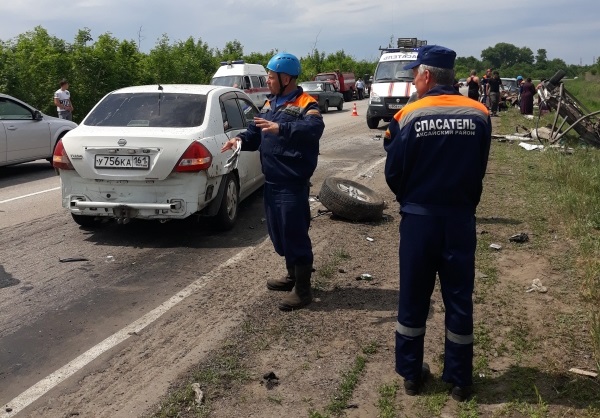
569	30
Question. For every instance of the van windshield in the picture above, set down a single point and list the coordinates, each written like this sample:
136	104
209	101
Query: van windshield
392	71
228	81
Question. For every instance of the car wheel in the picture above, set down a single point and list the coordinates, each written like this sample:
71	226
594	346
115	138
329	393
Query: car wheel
350	200
325	107
228	210
85	221
372	123
340	105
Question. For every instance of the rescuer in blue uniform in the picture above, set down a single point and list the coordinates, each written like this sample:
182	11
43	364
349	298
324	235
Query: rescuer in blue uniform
437	152
287	134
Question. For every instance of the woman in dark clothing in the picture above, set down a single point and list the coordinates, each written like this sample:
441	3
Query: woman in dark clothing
527	93
473	83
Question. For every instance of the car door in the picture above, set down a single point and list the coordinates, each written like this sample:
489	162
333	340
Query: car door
2	144
27	139
249	111
234	124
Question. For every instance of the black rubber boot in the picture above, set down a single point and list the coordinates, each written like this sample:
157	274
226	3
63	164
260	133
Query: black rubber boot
301	294
413	387
286	283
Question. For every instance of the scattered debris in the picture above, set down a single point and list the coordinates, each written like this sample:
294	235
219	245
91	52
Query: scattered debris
370	239
530	117
321	212
520	238
365	276
341	271
110	258
496	246
583	372
199	399
377	137
541	134
270	380
537	286
480	275
72	259
530	147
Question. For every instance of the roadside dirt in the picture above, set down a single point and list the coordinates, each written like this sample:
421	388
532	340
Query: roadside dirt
229	335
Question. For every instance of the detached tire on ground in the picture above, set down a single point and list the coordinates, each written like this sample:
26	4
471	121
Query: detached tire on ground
350	200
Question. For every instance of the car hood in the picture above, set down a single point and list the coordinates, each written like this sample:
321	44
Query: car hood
164	146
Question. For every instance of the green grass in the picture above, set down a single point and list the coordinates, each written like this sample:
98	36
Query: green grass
385	404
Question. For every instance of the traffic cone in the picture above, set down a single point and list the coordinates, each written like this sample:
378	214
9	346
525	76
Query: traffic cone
354	112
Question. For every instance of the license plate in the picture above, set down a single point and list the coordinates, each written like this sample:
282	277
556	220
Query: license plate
395	106
122	161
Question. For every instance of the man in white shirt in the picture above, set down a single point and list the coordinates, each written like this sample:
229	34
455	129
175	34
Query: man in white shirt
62	100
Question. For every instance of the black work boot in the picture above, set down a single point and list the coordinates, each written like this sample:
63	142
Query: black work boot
461	393
286	283
301	294
413	387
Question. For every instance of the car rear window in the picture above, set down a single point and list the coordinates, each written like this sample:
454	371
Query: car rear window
161	110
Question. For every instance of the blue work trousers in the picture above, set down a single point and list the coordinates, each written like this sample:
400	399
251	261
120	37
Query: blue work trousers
288	219
446	246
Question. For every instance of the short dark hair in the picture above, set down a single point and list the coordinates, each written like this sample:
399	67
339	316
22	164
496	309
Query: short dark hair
63	82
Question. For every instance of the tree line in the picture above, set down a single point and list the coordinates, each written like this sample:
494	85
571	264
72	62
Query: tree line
32	64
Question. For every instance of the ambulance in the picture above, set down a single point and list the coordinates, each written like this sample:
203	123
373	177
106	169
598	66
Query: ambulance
252	78
392	85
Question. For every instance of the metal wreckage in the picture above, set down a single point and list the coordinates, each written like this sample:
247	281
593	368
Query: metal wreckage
556	97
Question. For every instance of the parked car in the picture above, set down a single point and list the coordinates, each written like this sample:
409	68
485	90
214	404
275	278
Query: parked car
26	134
325	93
154	152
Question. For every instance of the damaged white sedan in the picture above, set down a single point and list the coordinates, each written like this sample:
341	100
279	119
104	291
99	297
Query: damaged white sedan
153	152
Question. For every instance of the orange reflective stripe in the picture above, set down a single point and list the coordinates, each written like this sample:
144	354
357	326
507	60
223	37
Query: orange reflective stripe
445	100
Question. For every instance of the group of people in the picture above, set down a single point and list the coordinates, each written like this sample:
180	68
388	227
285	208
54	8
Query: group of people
487	90
437	180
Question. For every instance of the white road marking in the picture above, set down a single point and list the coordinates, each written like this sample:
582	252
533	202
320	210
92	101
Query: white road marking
29	195
43	386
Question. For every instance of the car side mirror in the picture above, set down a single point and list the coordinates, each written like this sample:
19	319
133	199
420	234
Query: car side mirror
37	115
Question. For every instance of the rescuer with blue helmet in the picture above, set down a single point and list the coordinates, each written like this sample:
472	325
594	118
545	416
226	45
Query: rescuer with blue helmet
437	152
287	133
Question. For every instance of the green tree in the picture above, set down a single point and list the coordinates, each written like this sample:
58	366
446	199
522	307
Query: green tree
504	55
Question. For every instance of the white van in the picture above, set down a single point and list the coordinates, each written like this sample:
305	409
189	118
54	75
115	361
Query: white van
252	78
392	85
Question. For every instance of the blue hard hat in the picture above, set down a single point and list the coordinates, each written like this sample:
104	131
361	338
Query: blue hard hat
519	77
285	63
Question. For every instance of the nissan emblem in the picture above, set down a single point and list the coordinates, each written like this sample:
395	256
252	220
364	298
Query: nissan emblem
122	142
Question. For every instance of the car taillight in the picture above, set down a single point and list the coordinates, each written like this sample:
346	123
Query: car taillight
60	158
195	158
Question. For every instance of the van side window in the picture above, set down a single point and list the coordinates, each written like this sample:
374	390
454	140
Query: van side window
255	81
232	118
246	83
263	81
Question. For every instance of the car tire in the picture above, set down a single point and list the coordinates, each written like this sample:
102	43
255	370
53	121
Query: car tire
325	107
228	211
372	123
85	221
340	105
350	200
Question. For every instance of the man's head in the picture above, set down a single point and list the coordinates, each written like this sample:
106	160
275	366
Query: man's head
434	65
64	84
283	69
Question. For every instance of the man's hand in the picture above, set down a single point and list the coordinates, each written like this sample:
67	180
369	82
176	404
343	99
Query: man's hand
232	143
266	125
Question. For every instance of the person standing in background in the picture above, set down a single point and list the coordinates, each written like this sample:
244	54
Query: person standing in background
493	89
360	88
473	84
527	92
62	100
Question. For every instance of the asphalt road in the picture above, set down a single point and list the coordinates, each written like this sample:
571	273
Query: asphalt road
64	290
